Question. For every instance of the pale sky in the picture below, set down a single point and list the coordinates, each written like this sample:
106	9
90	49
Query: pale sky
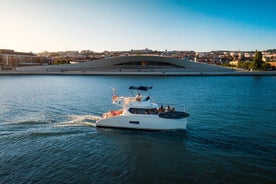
98	25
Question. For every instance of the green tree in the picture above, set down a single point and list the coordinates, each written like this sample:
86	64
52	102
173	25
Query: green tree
258	60
246	65
60	61
266	66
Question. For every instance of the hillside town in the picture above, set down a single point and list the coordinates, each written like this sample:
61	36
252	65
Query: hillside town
10	59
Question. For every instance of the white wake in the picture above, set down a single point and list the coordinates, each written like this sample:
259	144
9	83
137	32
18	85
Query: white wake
79	120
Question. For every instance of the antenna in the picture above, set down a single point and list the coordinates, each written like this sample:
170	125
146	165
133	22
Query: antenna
114	90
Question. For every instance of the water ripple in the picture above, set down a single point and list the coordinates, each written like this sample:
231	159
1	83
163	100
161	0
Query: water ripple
47	132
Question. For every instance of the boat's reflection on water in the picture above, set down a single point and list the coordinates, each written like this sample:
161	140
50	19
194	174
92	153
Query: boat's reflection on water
155	136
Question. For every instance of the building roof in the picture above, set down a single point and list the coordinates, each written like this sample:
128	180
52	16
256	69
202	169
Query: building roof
155	63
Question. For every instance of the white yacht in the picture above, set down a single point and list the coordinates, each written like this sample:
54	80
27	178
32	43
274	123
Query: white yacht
138	112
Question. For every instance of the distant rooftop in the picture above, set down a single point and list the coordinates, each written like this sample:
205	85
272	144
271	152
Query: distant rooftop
8	51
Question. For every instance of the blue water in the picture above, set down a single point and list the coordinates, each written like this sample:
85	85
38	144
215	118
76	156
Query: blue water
46	132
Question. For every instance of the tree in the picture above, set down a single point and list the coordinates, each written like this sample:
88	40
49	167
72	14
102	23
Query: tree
266	66
61	61
245	65
258	60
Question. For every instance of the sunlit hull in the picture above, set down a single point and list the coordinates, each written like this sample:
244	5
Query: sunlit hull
143	122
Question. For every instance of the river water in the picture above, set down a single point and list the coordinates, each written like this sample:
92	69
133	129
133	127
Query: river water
46	132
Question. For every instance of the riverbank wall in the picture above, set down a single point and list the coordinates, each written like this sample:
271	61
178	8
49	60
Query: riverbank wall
140	73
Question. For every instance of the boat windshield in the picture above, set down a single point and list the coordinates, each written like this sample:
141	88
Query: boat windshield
143	111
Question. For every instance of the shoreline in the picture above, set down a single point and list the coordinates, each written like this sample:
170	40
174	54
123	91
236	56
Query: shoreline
141	73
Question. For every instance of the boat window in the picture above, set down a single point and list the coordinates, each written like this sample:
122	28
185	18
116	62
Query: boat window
143	111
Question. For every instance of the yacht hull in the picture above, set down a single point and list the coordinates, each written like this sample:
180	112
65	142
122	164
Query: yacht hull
143	122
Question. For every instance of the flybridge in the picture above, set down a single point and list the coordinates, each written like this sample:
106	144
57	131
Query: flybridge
142	88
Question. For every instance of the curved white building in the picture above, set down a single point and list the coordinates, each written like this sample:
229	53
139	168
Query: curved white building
130	64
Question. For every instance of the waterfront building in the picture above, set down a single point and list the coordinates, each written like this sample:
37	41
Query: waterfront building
131	64
10	59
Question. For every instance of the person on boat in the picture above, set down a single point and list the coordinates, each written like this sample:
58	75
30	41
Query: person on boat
161	109
113	112
138	97
173	109
114	97
146	99
168	108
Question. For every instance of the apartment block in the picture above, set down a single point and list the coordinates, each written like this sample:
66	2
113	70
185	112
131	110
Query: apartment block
10	59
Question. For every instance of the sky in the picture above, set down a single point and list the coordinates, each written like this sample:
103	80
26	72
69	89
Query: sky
122	25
